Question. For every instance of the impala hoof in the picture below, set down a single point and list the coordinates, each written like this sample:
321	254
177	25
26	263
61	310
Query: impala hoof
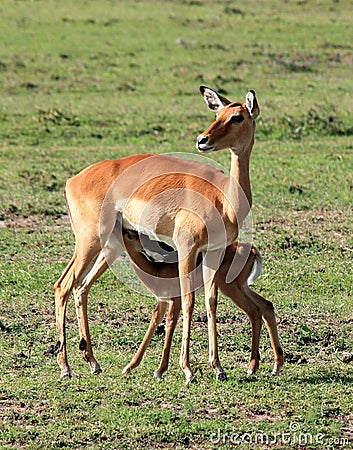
276	371
190	378
157	375
221	376
95	368
126	370
66	374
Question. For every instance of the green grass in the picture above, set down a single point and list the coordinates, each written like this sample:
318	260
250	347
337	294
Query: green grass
85	81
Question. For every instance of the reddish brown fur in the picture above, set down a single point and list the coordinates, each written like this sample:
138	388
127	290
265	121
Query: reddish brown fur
129	184
255	306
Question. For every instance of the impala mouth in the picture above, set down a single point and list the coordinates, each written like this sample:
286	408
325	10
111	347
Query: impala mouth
206	149
203	147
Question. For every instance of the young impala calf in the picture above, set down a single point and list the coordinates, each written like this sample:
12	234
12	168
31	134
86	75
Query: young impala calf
241	260
185	204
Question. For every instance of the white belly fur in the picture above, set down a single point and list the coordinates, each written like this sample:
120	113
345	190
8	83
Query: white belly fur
151	234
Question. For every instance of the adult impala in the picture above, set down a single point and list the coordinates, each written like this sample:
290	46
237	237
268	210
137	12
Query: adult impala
246	267
186	204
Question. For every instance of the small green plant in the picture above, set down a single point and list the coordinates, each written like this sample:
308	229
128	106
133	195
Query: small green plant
317	122
56	117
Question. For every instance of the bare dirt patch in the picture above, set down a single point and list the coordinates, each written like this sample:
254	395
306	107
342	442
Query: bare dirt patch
36	222
311	228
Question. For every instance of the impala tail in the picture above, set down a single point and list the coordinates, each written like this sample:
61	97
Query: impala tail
257	267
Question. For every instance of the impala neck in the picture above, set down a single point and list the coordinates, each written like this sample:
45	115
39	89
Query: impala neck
239	189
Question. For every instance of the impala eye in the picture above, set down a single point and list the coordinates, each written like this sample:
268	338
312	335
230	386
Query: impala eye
236	119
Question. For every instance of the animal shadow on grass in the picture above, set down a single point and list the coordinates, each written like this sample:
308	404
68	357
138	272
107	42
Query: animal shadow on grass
326	378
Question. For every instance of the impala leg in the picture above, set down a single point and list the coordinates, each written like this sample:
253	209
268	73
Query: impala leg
211	307
156	319
172	320
78	266
235	291
256	325
81	292
211	299
106	257
63	288
187	266
245	302
188	302
268	314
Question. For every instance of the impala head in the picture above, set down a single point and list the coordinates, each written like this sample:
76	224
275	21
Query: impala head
234	126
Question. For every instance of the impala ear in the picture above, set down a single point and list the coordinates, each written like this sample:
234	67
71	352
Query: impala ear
213	100
252	105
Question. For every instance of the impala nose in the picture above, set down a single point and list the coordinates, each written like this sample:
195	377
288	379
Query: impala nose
202	144
202	141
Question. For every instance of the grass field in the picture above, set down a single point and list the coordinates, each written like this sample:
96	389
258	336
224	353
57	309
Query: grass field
85	81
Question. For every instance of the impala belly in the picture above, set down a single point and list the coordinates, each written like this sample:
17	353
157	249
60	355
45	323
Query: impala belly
166	198
144	220
151	234
154	223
